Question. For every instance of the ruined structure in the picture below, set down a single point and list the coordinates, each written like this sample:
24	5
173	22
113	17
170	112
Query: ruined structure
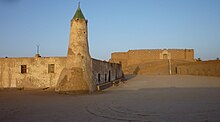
77	72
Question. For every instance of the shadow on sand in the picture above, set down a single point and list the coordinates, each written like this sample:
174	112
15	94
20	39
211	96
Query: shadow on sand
129	76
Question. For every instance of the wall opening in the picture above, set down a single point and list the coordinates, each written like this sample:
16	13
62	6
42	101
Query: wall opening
99	78
165	56
116	73
23	69
105	77
109	76
176	70
51	68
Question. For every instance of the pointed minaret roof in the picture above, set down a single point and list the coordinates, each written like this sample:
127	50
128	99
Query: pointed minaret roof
78	14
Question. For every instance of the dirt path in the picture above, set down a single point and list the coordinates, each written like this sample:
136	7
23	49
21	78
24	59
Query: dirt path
141	98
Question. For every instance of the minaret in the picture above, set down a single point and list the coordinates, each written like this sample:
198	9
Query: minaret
77	75
78	50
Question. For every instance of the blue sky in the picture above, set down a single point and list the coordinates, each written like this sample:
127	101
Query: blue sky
114	25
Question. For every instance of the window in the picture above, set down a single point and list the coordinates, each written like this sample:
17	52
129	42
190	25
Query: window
23	69
51	68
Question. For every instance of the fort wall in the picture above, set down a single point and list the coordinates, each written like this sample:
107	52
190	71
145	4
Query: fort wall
152	61
40	74
182	54
34	73
203	68
105	72
139	56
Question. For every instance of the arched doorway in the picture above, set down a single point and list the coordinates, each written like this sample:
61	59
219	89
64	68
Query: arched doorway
165	56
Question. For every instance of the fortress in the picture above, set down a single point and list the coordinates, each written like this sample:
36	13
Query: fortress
77	72
164	62
153	61
133	57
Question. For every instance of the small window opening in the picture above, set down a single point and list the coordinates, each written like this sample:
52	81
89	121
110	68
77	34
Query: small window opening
23	69
51	68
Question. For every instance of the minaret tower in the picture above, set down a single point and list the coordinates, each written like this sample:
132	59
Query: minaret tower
77	75
78	50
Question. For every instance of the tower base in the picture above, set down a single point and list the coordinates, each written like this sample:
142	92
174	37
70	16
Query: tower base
71	81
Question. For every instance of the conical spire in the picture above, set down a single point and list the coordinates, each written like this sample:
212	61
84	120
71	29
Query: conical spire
78	14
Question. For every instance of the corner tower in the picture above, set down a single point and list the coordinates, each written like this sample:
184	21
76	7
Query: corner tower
77	75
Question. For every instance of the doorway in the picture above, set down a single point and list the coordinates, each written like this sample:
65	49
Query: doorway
165	56
109	76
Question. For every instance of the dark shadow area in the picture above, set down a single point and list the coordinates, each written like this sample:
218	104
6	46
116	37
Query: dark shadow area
129	76
105	86
137	69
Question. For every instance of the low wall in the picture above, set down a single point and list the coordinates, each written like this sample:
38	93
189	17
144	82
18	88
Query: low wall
154	67
36	75
203	68
105	72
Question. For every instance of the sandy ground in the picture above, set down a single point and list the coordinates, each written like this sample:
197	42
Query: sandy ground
141	98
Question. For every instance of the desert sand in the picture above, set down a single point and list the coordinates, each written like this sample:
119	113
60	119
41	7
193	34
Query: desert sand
140	98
